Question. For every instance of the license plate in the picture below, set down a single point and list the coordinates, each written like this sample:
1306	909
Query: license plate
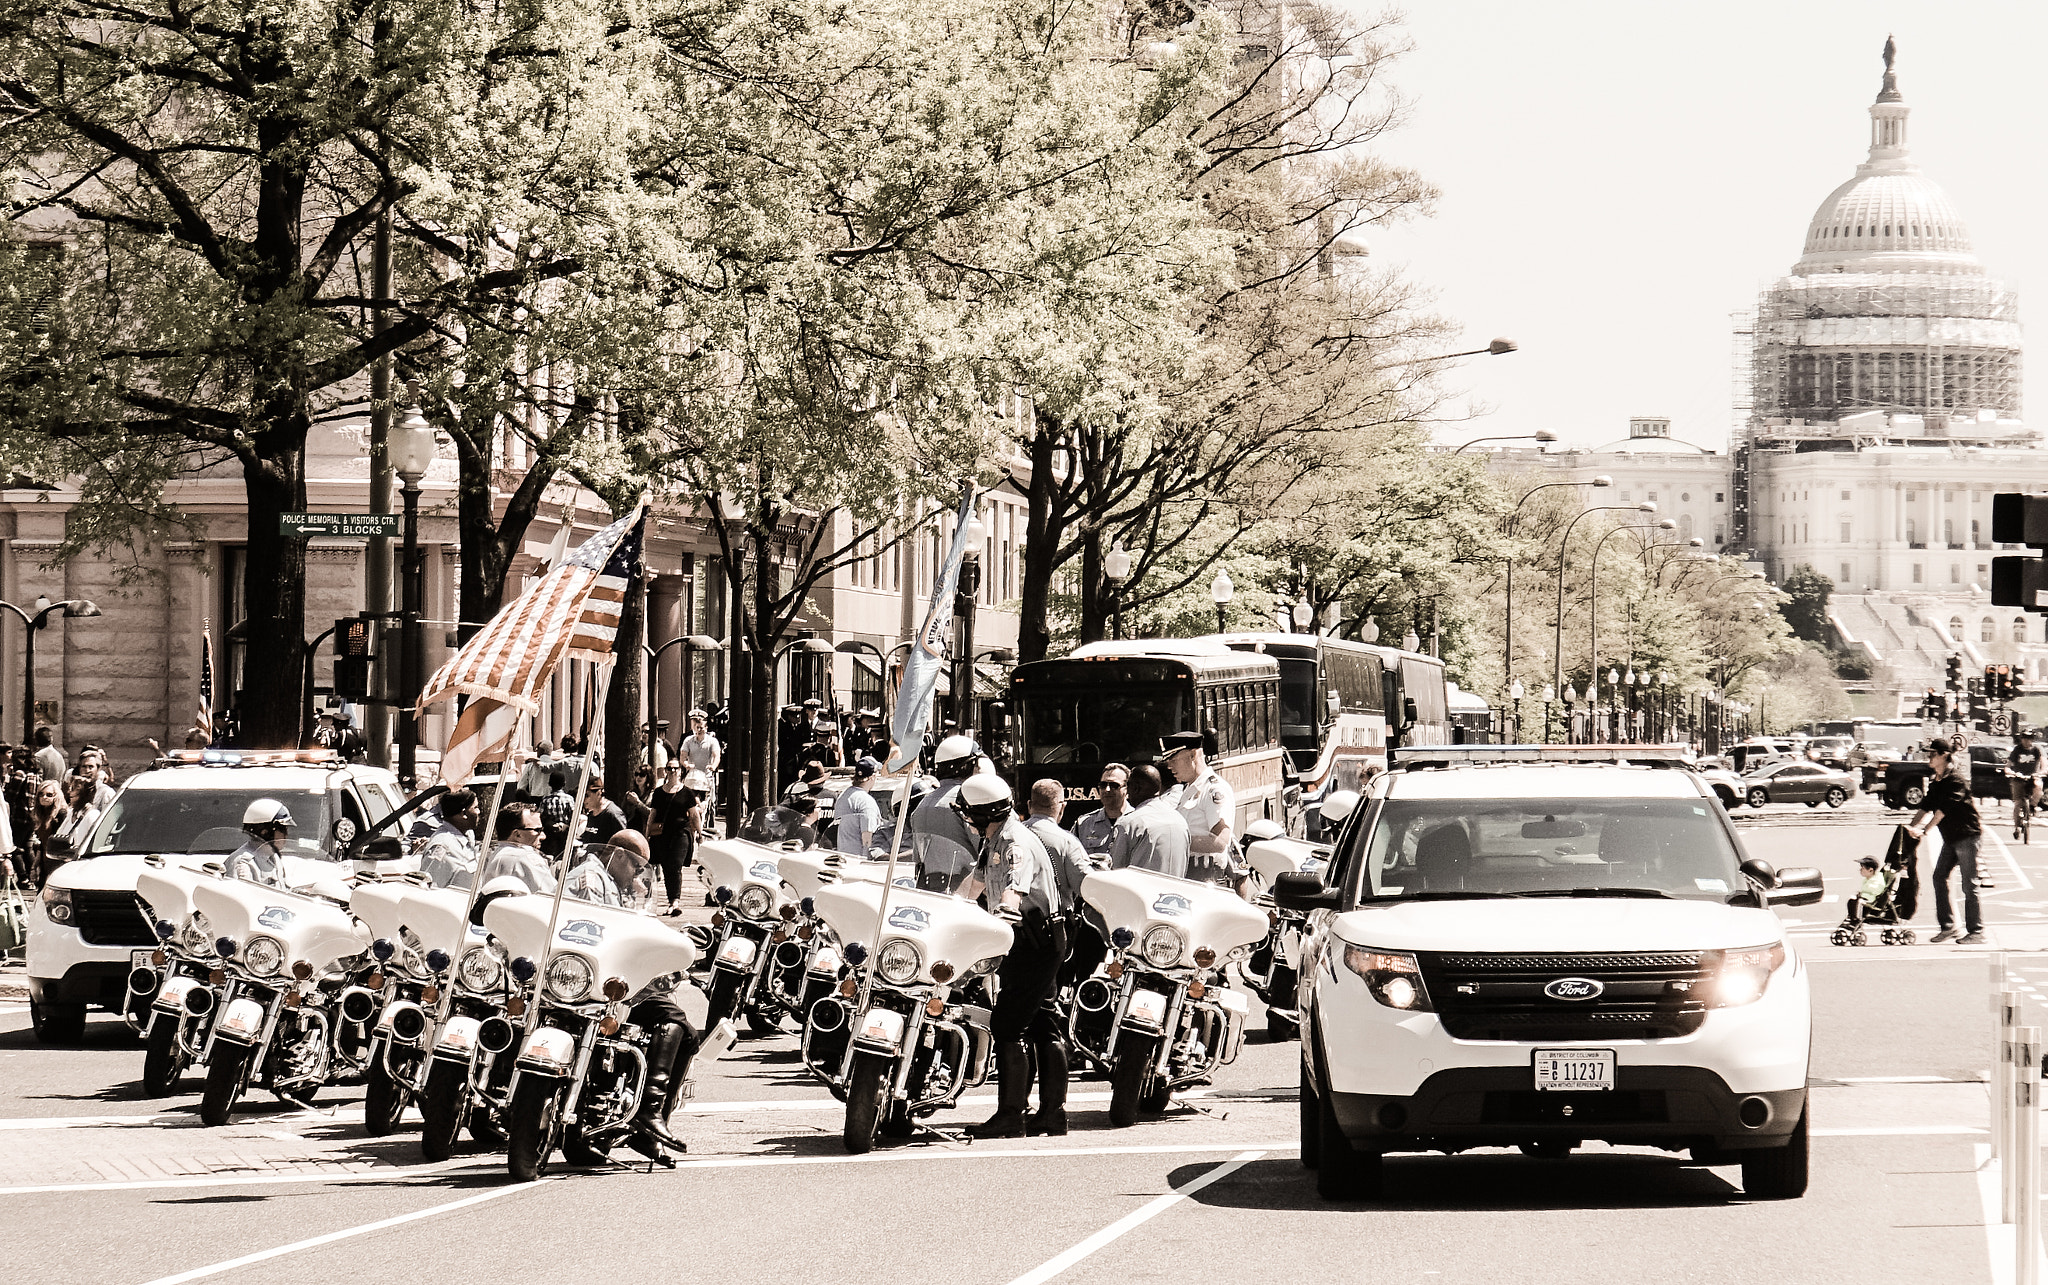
141	959
1575	1070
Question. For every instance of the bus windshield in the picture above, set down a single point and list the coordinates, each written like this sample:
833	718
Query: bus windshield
1093	725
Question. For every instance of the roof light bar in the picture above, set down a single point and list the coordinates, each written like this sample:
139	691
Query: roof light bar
1429	756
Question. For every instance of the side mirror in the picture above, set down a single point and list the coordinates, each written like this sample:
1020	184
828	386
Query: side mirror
384	847
1295	890
1408	709
1797	886
1762	873
58	847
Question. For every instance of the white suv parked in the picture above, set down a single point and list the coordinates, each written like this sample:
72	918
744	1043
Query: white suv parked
1524	946
86	930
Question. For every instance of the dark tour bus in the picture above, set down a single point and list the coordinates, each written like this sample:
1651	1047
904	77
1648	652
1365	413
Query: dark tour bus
1112	702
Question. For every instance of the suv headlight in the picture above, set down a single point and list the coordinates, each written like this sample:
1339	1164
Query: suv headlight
569	978
1163	946
898	962
1392	976
1740	976
57	903
263	956
480	970
756	902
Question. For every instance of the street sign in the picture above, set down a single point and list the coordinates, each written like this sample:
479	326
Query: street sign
2001	723
347	525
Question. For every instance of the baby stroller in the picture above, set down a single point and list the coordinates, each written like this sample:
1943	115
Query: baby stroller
1894	906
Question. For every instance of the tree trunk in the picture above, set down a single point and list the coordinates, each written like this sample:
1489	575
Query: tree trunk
268	707
1094	599
1041	551
623	746
761	718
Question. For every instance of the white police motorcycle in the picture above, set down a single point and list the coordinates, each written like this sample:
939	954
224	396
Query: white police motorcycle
912	1047
756	916
177	992
468	1077
581	1068
1161	1014
806	968
282	954
417	931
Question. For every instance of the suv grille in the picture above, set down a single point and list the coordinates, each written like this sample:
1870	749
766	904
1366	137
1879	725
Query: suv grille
1501	997
110	917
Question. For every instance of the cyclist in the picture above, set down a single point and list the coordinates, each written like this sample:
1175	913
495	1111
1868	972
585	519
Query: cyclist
2023	776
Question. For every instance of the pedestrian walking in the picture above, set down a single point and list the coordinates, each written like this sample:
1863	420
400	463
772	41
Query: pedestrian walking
856	814
557	810
1949	808
678	819
50	760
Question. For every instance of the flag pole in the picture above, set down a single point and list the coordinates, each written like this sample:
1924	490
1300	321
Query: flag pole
476	878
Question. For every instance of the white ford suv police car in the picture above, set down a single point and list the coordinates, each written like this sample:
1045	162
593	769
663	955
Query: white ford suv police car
1536	946
86	930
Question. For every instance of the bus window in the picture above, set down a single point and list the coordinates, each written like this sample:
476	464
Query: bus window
1093	725
1301	701
1424	682
1239	701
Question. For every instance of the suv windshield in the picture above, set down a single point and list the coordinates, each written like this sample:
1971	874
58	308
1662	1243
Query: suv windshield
1448	848
203	819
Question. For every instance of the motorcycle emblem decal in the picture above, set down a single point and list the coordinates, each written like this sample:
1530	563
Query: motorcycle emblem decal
910	919
765	870
1574	988
275	917
1171	904
905	881
582	932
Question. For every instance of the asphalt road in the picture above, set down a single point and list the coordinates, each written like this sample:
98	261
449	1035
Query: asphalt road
101	1185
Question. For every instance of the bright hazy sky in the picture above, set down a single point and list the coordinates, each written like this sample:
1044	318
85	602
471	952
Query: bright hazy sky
1619	177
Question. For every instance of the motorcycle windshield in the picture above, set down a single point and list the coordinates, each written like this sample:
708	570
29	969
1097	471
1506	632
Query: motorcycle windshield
941	926
1206	914
310	929
620	943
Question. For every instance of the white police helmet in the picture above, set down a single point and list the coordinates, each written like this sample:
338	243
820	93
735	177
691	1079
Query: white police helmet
984	798
1338	805
264	813
957	752
1264	828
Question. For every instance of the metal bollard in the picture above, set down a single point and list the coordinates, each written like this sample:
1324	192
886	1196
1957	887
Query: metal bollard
2005	1012
2004	1139
2025	1158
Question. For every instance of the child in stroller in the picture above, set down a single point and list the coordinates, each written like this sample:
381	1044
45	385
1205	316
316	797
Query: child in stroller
1873	904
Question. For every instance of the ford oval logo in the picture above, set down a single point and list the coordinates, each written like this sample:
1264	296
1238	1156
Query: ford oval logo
1574	988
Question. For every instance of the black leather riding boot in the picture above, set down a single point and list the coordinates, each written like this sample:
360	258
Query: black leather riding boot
1013	1092
1051	1116
664	1069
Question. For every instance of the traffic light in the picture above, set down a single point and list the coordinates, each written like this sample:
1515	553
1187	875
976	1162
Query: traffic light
1931	705
351	637
352	658
2020	581
1998	682
1980	713
1955	672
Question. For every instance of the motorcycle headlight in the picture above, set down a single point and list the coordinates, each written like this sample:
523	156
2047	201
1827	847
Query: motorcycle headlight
756	902
1740	976
480	970
264	956
1163	945
196	937
898	962
570	978
1392	976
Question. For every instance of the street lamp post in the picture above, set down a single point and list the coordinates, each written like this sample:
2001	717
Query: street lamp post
1220	593
1542	435
1549	695
695	642
732	517
970	586
1515	694
73	608
412	454
1508	579
1563	546
1116	570
1593	605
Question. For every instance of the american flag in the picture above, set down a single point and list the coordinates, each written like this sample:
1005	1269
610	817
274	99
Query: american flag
204	722
572	612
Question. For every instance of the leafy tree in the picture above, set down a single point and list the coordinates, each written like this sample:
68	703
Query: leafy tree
1806	604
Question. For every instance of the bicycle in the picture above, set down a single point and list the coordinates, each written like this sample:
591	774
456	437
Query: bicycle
2024	796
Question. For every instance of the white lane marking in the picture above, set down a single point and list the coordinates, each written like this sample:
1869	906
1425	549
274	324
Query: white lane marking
8	1010
81	1121
2026	884
380	1174
2000	1238
1054	1266
1901	1131
980	1100
1903	1079
215	1269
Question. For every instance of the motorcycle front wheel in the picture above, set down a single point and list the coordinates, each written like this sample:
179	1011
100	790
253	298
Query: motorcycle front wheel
384	1099
225	1075
163	1061
867	1092
530	1130
441	1110
1127	1079
724	997
1280	993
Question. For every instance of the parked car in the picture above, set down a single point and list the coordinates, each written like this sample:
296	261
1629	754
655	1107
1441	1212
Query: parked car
1831	751
1987	772
1728	787
1798	782
1867	760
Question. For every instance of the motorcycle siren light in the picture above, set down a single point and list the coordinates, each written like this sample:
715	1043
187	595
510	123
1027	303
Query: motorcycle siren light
788	911
808	906
225	948
942	971
1121	938
1204	956
615	989
165	930
935	1006
302	970
383	949
721	894
856	953
523	968
438	961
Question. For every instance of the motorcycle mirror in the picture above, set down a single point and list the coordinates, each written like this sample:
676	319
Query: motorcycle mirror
383	847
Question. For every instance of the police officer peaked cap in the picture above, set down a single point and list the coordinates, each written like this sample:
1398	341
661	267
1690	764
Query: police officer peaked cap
1179	741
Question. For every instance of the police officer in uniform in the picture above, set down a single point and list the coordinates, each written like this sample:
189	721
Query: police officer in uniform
260	859
1085	949
1207	803
1022	887
942	843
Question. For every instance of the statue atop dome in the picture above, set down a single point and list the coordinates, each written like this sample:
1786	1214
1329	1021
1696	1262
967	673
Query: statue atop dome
1890	93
